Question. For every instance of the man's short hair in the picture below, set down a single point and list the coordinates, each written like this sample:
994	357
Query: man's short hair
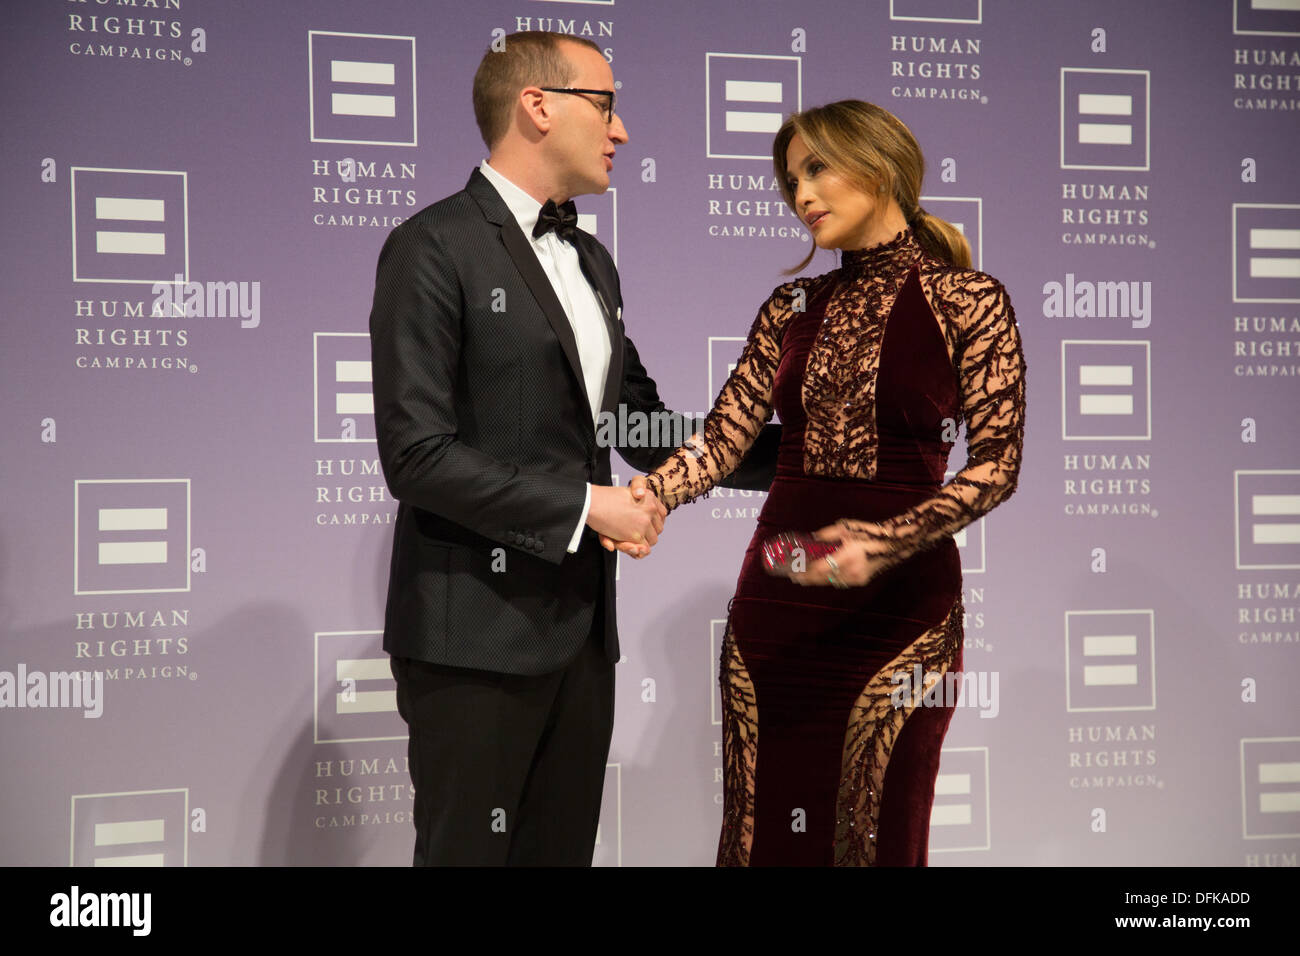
530	58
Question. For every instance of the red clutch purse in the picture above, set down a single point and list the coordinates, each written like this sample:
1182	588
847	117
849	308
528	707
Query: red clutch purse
781	550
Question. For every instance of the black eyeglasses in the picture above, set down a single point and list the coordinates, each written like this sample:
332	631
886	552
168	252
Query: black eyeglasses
608	108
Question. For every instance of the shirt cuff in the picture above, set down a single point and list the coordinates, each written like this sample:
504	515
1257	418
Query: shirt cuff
582	522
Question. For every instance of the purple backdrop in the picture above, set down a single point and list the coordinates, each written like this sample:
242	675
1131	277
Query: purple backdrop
194	507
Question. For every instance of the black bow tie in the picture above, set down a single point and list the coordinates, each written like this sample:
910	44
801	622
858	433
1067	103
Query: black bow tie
563	219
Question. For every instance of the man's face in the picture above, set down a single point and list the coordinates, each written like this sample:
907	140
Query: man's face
581	142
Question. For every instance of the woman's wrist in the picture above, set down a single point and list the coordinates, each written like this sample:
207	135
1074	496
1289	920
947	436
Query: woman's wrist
655	485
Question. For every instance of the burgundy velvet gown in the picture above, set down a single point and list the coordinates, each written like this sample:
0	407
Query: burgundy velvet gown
871	367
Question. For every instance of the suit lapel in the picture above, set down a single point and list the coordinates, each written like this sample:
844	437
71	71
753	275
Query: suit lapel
604	293
614	381
535	276
521	253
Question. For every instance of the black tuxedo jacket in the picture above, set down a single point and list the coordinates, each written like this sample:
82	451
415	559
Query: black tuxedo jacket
487	442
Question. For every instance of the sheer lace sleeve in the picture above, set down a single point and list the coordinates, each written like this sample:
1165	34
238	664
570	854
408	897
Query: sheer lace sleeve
742	408
991	368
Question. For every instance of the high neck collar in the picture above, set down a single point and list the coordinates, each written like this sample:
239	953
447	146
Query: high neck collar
887	257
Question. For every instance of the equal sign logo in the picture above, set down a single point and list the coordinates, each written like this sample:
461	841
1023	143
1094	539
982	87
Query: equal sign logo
1105	119
970	542
129	225
959	818
1266	17
724	354
967	214
600	218
345	401
746	98
1110	661
131	828
1267	519
1265	252
361	88
356	696
609	831
1105	390
938	11
1270	787
131	536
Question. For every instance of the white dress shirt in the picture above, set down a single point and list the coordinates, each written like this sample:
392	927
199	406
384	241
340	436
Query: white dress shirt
559	260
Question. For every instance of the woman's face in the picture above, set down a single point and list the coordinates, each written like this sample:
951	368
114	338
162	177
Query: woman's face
837	213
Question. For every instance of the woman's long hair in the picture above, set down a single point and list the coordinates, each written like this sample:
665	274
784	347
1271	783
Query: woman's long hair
868	145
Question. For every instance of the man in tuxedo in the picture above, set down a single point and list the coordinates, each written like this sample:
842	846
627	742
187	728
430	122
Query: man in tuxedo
497	339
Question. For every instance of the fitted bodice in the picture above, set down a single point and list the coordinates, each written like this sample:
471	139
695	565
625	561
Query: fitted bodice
865	385
871	366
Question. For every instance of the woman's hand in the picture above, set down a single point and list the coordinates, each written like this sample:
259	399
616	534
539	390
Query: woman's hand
859	558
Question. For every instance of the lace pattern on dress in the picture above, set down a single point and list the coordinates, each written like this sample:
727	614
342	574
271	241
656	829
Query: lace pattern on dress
739	755
742	408
874	725
979	325
839	384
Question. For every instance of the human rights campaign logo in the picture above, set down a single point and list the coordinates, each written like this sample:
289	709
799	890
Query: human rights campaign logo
1267	519
131	536
345	401
724	355
747	97
129	225
1265	252
970	547
1105	390
967	214
1105	119
361	88
131	828
1267	17
959	818
970	542
356	695
1110	660
1270	787
598	215
938	11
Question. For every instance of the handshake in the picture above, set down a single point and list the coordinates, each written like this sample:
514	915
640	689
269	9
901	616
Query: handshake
627	519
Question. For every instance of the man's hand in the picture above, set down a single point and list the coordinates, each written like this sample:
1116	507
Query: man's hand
628	519
639	490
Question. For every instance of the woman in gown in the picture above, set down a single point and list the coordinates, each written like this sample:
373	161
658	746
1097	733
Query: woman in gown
870	366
